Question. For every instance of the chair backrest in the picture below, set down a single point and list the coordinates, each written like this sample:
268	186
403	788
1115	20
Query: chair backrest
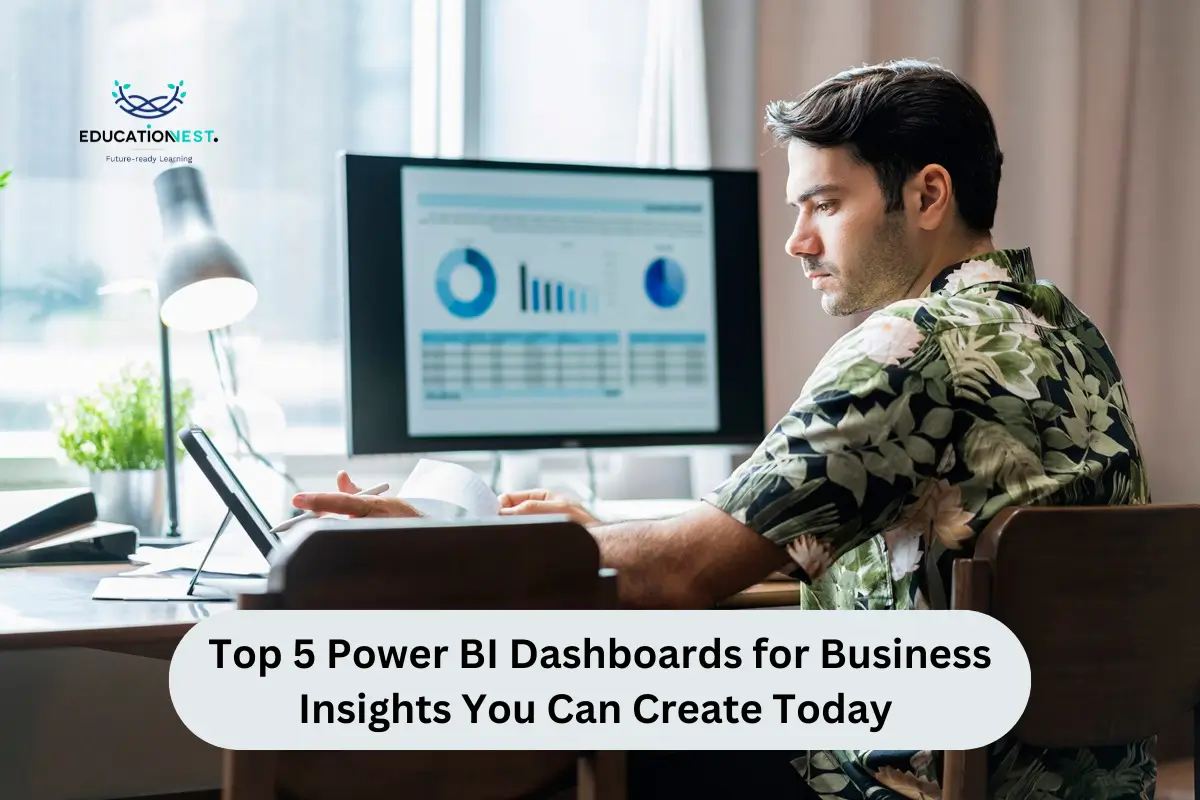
1104	602
511	563
517	563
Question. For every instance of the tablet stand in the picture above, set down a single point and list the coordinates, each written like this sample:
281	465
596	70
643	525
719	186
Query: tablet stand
208	552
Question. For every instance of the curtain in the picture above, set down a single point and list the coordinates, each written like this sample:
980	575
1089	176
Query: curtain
673	116
1099	118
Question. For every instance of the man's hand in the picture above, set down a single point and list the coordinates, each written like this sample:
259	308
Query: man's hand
540	501
345	501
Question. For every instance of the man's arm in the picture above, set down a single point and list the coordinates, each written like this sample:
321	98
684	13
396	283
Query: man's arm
694	560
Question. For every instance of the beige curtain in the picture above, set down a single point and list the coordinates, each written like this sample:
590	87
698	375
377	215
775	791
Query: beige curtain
1098	108
673	112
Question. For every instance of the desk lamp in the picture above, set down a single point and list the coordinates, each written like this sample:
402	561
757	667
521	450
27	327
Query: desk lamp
202	286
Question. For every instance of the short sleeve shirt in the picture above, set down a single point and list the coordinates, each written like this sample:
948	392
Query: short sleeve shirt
990	390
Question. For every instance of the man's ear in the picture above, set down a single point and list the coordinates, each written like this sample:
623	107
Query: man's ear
930	196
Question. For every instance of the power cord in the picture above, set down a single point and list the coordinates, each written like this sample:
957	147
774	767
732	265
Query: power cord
225	394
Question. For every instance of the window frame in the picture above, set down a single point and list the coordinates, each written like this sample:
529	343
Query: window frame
444	121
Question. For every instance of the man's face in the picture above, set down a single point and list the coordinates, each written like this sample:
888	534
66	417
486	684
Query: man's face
857	256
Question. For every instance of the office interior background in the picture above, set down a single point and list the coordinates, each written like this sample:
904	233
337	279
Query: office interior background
1097	115
1096	102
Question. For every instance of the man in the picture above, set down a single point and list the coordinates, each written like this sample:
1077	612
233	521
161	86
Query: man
970	387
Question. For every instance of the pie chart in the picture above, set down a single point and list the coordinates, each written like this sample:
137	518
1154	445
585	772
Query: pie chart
467	258
664	282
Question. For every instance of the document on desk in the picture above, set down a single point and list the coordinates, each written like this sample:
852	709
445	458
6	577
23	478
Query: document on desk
234	554
448	491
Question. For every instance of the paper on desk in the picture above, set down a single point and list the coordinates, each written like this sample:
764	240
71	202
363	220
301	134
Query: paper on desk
234	554
445	490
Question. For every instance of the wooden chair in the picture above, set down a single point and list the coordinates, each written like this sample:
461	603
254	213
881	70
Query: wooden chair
525	563
1105	602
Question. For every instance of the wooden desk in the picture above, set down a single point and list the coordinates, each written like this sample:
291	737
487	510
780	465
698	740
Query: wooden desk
49	607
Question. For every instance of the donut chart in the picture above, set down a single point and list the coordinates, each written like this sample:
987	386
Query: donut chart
664	282
466	258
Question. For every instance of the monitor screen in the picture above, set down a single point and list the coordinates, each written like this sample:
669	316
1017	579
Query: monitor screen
494	305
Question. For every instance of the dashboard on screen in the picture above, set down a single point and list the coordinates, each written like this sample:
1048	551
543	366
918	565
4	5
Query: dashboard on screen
494	305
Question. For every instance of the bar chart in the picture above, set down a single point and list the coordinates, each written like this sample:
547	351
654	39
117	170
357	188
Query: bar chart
549	295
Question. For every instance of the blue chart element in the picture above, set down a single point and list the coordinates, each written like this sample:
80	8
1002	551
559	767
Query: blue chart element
471	259
664	283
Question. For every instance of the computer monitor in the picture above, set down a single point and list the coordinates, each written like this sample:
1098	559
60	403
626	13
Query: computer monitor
496	305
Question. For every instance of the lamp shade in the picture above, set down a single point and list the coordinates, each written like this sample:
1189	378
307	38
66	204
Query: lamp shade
202	284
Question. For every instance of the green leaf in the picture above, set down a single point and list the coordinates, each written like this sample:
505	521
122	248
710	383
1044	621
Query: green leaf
183	94
1009	407
1056	439
1059	462
937	423
114	94
936	389
1027	436
1013	364
860	379
878	465
119	425
847	470
920	450
829	782
1044	409
936	370
913	384
126	86
170	86
1105	445
904	423
1077	429
898	458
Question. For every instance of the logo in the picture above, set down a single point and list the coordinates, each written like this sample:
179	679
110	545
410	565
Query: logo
144	136
136	105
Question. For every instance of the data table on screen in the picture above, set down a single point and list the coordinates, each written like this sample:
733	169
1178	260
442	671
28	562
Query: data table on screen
667	360
457	365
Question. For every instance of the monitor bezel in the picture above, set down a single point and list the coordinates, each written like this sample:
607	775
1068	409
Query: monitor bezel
370	195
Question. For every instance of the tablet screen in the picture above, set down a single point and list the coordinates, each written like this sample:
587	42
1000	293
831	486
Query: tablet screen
218	473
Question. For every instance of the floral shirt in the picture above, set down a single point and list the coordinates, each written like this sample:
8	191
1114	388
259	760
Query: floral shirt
989	390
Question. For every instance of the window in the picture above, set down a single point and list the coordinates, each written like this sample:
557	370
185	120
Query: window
284	85
562	81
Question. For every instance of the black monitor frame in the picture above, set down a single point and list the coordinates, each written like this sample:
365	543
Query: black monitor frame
373	261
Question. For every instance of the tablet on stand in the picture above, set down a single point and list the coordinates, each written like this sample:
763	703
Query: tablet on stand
239	505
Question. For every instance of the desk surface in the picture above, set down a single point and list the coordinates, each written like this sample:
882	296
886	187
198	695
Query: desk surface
53	607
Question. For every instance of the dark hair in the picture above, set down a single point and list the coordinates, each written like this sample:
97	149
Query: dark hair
899	117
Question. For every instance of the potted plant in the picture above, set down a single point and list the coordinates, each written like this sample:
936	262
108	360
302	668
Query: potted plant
115	432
